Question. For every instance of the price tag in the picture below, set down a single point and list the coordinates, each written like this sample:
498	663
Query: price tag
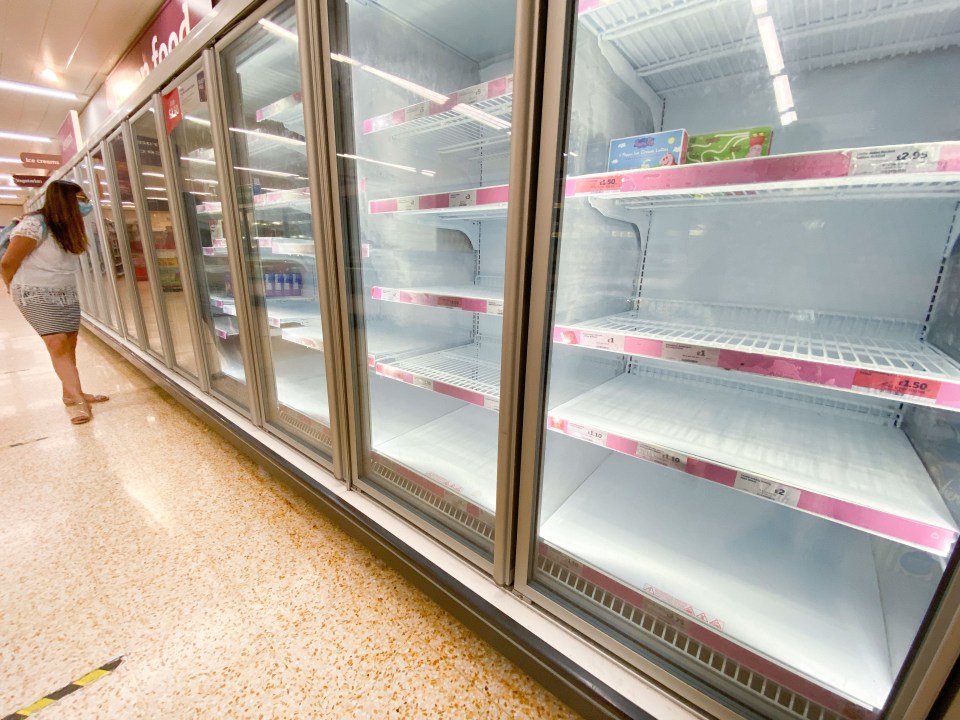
692	354
472	94
601	341
491	403
597	437
495	307
675	461
389	294
599	184
897	384
422	382
767	489
406	204
895	160
464	198
449	301
415	112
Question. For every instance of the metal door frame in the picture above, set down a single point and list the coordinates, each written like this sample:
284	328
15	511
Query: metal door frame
109	294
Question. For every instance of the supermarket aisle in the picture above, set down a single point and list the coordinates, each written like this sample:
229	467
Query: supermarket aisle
144	535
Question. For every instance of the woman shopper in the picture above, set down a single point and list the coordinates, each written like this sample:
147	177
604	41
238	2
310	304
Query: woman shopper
39	268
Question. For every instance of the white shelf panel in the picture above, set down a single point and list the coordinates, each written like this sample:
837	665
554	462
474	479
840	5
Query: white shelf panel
302	385
678	46
458	373
283	311
470	204
471	298
387	340
829	463
450	127
223	303
457	452
783	585
225	327
306	335
297	199
866	355
859	173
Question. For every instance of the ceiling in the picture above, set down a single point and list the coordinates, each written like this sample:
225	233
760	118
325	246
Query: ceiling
80	40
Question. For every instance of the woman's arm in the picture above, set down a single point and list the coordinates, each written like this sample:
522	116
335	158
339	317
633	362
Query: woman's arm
20	246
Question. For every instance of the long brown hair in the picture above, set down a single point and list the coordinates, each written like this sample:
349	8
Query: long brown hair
61	211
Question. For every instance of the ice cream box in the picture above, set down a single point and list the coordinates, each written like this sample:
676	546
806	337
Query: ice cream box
729	145
647	151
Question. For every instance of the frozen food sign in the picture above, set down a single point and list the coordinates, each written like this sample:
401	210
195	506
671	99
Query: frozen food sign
172	23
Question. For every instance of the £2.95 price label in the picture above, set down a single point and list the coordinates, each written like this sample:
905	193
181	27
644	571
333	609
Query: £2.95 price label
783	494
895	160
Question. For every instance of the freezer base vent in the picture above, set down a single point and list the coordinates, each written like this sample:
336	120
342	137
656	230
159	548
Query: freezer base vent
481	526
307	428
650	625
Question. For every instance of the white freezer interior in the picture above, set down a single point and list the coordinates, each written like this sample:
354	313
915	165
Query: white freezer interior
810	588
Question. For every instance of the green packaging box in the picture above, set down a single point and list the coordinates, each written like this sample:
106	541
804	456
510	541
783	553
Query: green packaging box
729	145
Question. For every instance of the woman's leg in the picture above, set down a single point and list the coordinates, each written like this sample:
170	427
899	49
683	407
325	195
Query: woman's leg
62	351
72	339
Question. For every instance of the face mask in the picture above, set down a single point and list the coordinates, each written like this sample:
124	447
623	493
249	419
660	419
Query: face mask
86	208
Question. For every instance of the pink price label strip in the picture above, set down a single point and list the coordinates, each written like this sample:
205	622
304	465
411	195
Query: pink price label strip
455	302
471	197
474	398
929	537
708	631
913	389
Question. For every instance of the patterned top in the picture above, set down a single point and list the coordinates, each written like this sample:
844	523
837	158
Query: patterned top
48	265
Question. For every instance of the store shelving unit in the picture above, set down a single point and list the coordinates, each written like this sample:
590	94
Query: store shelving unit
474	298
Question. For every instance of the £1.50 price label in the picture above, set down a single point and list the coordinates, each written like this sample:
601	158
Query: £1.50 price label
897	384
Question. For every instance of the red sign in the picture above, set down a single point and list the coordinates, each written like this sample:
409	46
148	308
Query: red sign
30	180
171	110
69	136
31	160
172	23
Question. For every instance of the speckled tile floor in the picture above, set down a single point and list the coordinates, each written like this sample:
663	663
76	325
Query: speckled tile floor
143	534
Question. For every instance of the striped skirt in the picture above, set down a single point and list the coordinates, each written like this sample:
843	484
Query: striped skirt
48	310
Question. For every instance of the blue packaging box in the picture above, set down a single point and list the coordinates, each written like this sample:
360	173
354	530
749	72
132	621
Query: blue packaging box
661	149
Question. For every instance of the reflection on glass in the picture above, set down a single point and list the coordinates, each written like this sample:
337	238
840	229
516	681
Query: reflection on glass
85	279
102	287
196	178
144	295
269	148
748	452
114	258
424	145
160	234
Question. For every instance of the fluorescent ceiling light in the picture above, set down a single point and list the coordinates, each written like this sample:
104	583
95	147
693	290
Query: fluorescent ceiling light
152	174
274	173
202	180
406	84
788	118
407	168
99	167
16	161
759	7
195	192
21	136
270	136
781	89
198	121
163	199
484	118
197	160
277	30
36	90
771	44
159	189
4	196
49	75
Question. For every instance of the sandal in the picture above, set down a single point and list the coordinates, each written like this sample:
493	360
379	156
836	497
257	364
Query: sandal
80	411
89	398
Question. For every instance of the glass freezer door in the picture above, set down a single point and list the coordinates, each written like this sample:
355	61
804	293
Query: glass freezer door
424	95
187	123
261	80
751	419
159	233
143	295
102	284
114	259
